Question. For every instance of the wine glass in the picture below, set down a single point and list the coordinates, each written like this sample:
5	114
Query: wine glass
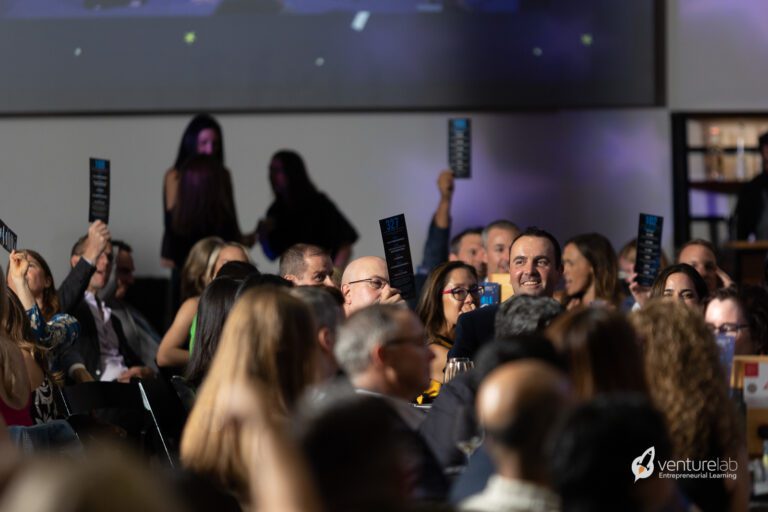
457	366
467	433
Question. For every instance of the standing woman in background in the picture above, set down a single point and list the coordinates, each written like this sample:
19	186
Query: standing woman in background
202	136
302	214
205	207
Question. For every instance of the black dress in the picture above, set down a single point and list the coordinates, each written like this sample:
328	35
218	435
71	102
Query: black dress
315	221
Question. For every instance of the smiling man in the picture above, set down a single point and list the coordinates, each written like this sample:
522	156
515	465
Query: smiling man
535	268
535	264
101	351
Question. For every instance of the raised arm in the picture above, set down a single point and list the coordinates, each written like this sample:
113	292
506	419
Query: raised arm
74	285
438	237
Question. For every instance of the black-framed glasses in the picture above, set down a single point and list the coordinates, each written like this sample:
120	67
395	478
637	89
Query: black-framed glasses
727	328
460	294
377	283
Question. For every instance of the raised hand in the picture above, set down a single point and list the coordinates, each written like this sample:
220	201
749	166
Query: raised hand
18	265
445	184
390	295
639	292
98	238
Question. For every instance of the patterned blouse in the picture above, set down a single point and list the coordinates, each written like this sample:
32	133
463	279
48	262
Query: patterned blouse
61	329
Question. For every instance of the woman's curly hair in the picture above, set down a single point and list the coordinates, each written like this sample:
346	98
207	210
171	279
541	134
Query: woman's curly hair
687	381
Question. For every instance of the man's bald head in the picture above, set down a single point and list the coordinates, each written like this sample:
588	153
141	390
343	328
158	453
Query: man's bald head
363	265
518	404
363	281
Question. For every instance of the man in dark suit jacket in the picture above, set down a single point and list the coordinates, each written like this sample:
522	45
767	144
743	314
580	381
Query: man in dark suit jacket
535	267
101	351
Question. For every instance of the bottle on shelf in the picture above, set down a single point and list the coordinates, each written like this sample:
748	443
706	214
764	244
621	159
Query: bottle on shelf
713	161
741	164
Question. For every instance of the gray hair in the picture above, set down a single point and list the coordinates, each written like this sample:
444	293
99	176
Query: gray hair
525	314
364	330
498	224
326	310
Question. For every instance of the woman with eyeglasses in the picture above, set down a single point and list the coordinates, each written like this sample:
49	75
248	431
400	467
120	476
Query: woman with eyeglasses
451	289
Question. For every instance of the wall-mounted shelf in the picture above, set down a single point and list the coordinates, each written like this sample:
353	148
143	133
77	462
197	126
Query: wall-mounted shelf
728	150
713	155
719	187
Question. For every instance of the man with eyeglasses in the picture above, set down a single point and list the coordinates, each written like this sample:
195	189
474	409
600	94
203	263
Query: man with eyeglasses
365	282
726	314
383	352
101	351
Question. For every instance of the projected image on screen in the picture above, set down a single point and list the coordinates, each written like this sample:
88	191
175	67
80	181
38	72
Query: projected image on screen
250	55
126	8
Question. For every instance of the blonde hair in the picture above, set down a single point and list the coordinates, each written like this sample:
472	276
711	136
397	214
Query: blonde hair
686	380
195	270
269	338
213	258
104	480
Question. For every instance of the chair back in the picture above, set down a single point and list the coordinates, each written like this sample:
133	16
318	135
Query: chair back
184	391
168	417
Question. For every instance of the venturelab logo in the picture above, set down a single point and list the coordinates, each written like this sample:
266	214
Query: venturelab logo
642	466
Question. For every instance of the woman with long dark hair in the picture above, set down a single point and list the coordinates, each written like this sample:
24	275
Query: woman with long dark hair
215	303
205	207
602	352
202	136
302	214
14	380
590	271
681	282
450	290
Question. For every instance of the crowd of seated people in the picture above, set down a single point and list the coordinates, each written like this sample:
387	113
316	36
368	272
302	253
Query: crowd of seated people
321	388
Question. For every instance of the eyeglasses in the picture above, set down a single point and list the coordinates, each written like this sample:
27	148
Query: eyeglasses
727	328
376	283
460	294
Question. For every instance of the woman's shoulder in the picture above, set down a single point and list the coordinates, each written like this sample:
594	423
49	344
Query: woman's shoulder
190	304
171	176
440	344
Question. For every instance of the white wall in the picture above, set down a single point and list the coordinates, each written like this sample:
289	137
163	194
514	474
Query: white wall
718	51
568	172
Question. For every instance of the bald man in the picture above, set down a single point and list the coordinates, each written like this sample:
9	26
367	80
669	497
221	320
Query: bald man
518	405
366	281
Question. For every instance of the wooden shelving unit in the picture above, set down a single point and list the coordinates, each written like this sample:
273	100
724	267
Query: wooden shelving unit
713	155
